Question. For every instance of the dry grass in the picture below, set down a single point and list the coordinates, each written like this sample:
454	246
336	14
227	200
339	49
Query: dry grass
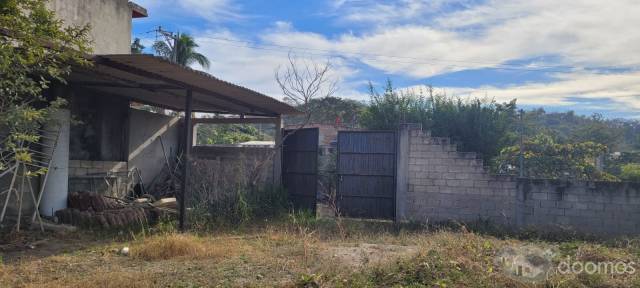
170	246
3	272
120	279
281	255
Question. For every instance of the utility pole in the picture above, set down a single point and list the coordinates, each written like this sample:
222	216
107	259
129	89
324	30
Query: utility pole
172	41
521	154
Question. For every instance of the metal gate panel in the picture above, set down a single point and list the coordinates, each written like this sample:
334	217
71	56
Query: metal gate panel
300	167
367	174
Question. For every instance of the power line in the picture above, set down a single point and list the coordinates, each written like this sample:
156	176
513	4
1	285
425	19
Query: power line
391	58
376	57
347	52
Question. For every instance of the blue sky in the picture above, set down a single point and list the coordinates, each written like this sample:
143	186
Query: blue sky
581	55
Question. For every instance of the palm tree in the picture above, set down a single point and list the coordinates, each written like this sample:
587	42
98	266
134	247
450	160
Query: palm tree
185	51
137	47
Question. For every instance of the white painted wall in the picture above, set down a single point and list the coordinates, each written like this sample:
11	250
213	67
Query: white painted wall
110	22
56	188
145	150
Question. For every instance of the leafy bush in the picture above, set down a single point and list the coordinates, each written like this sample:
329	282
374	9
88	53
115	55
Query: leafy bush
328	110
544	157
479	125
29	67
388	110
630	172
229	134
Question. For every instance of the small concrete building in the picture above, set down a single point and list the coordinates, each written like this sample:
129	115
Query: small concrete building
110	21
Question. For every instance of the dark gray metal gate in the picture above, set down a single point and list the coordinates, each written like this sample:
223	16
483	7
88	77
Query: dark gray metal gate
300	167
367	174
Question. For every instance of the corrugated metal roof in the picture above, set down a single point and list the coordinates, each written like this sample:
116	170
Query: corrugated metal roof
156	81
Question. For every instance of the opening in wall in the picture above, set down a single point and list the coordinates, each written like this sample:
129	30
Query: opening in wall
98	130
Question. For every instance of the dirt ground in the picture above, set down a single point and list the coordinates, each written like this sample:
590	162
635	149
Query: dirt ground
288	255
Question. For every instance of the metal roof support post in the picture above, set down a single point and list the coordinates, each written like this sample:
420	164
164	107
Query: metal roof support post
277	160
187	150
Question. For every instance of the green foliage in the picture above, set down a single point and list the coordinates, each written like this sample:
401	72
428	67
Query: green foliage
388	110
328	109
630	172
482	126
239	208
185	51
137	47
36	50
614	162
616	134
229	134
546	158
598	130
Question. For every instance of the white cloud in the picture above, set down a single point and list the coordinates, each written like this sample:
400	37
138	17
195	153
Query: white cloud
575	34
209	10
622	91
430	38
584	33
384	13
255	68
283	25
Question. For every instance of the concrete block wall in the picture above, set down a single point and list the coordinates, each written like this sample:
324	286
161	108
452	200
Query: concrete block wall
108	178
607	208
244	159
445	184
220	172
88	168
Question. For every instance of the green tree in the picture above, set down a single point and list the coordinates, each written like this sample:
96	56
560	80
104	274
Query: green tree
597	129
327	110
630	172
185	51
482	126
137	47
616	134
229	134
392	108
36	51
546	158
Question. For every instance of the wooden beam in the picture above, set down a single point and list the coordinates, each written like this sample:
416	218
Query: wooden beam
136	85
121	85
147	102
144	73
274	120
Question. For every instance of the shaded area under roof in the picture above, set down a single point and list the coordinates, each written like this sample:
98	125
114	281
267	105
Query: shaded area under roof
156	81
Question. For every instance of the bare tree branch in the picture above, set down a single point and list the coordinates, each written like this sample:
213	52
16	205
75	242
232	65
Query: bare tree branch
300	81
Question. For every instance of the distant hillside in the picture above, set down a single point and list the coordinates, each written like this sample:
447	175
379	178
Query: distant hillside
618	134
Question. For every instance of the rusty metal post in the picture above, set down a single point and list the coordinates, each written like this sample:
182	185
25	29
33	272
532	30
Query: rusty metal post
186	157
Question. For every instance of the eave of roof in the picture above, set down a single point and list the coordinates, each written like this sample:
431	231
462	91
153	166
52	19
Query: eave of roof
156	81
137	11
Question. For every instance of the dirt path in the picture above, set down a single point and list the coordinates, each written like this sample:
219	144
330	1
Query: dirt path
361	255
